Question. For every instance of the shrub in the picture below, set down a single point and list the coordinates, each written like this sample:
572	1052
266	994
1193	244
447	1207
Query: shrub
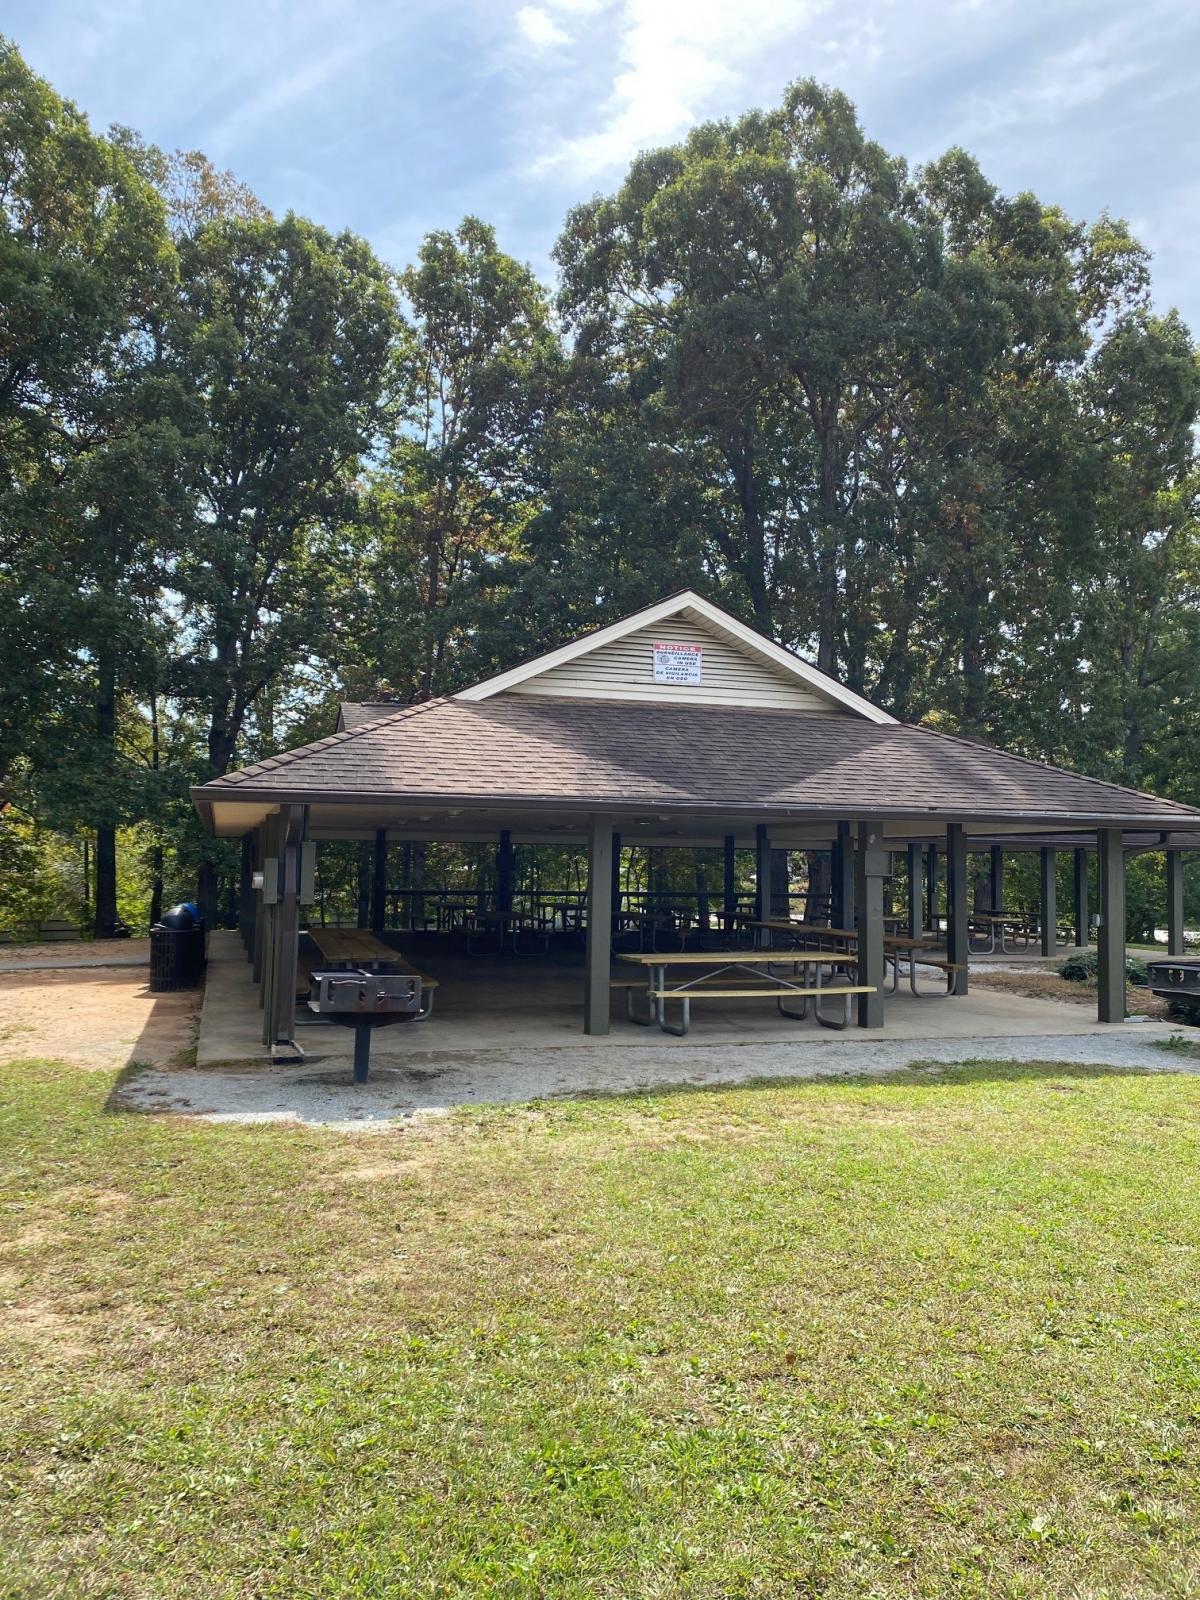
1080	968
1083	968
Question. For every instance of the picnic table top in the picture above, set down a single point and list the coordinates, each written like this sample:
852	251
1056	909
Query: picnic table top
1000	916
702	958
788	925
361	947
350	944
893	941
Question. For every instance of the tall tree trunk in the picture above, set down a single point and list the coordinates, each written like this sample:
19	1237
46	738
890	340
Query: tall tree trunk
364	861
156	884
753	562
223	729
820	885
104	916
780	896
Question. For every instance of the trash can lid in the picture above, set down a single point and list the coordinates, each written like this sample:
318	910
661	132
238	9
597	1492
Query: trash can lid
179	917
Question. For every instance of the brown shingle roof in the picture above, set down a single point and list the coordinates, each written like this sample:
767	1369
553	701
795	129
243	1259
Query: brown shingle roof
352	714
594	753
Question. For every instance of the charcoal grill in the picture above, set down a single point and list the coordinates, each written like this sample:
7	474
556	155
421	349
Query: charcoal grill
367	1000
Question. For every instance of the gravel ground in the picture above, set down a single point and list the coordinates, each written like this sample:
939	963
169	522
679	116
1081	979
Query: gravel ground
67	955
429	1086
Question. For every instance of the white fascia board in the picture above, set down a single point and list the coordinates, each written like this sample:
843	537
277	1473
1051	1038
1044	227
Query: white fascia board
822	685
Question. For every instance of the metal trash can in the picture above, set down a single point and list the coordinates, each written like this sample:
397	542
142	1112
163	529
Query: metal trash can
176	951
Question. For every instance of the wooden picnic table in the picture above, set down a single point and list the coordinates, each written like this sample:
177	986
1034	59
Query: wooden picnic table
891	941
894	946
744	964
352	947
1002	921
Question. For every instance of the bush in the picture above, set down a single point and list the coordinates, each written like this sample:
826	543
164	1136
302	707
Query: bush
1081	968
1084	968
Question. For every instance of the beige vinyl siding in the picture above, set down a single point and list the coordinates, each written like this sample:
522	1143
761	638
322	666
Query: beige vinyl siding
624	670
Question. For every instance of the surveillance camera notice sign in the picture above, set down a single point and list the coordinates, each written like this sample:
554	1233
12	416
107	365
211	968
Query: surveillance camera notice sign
678	663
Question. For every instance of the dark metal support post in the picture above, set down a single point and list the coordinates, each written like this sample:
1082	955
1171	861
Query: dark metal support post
1048	880
1083	928
957	933
615	916
1111	932
843	886
1174	870
762	873
730	882
914	890
379	882
870	869
599	925
996	879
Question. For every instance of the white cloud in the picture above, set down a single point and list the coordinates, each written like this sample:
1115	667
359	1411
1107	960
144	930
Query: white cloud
277	95
1070	80
539	28
677	59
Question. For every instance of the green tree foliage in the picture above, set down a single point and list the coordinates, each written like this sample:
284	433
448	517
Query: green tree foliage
932	434
476	377
89	446
283	337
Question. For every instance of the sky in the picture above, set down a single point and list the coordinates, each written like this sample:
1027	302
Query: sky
394	118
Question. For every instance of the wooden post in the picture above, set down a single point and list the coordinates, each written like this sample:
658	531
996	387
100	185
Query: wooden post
957	933
599	925
379	882
870	869
256	949
1174	869
914	890
730	882
1048	879
1083	928
762	873
282	1012
1111	931
843	888
615	915
931	887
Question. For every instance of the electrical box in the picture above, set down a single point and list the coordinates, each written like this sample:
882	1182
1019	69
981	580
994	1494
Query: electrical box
270	877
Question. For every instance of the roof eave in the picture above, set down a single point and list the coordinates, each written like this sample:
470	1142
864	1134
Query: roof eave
205	796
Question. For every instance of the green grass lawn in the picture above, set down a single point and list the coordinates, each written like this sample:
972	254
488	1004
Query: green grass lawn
934	1335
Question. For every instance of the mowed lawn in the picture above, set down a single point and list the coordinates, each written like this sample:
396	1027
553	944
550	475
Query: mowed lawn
932	1335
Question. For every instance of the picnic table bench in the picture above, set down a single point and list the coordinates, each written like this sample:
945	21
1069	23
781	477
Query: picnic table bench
748	981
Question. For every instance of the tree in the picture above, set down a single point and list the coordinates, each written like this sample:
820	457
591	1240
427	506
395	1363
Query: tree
283	337
476	378
87	445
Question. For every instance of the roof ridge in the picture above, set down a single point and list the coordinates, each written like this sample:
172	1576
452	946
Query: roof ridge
271	763
1048	766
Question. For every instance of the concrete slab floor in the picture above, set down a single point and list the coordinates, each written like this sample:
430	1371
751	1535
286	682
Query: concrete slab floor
519	1005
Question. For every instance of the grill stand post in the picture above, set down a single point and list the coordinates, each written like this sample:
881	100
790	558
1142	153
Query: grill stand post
362	1049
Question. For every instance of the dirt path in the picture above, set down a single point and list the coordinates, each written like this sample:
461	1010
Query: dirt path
102	1018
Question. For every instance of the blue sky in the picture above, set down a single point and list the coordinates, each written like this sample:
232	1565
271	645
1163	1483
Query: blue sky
393	118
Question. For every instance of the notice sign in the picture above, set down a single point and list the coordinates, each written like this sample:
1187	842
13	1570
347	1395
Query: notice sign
678	663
